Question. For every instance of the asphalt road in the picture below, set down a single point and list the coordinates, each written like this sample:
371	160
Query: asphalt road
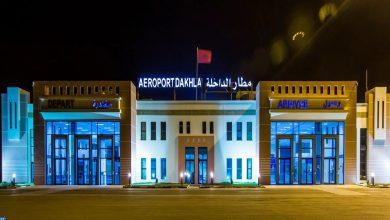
292	202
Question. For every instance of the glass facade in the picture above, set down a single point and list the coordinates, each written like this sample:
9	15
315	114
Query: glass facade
229	171
82	152
307	152
163	168
153	168
202	165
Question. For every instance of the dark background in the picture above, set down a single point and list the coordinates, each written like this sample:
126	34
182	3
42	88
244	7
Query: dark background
112	41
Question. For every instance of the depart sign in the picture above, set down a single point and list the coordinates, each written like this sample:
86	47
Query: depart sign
80	103
174	82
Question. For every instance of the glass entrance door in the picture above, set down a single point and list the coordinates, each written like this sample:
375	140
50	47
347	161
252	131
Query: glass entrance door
60	160
202	165
83	160
284	146
306	155
105	144
329	159
190	165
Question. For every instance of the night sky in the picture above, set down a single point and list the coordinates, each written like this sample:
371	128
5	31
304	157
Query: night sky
71	41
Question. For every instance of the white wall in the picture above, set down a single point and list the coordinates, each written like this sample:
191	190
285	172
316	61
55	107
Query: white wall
168	149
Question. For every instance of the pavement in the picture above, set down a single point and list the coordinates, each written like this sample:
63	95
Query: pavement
272	202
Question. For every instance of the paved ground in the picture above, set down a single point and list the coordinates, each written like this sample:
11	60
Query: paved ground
273	202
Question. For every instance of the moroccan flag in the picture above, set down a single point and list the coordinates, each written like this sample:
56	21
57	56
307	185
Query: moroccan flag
204	56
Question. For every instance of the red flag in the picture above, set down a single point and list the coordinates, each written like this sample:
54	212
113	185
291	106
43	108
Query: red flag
204	56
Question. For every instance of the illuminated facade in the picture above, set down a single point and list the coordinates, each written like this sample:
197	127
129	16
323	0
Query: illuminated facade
17	136
196	140
373	136
307	132
292	132
83	132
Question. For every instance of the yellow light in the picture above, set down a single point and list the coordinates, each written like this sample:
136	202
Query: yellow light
300	33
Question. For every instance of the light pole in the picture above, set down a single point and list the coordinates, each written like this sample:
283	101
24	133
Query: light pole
212	178
181	178
129	176
258	180
372	178
14	179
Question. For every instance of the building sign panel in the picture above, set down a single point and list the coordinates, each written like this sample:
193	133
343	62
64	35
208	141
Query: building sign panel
304	104
174	82
80	103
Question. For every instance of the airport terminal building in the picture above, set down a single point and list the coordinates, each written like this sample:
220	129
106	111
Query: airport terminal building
291	132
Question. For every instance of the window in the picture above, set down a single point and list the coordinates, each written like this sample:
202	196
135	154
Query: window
163	130
203	127
74	90
46	90
249	168
211	127
300	89
322	90
61	90
153	131
328	90
188	127
229	168
143	131
229	131
89	90
143	168
153	168
377	115
67	90
293	89
10	115
117	90
249	131
383	114
96	89
272	89
279	89
54	90
81	90
239	168
315	89
286	90
180	127
239	131
110	89
103	90
342	90
363	153
307	89
16	116
163	168
335	90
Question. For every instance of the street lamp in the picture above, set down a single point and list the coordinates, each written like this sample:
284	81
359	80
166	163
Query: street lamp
258	180
212	178
129	176
181	178
372	178
13	179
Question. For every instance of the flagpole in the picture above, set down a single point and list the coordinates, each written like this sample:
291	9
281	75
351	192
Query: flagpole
196	75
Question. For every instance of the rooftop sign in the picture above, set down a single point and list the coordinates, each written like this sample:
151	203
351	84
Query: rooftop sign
174	82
